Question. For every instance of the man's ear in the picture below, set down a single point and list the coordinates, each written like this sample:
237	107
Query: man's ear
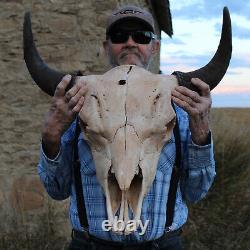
155	46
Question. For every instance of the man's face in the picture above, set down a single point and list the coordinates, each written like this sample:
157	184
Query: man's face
130	52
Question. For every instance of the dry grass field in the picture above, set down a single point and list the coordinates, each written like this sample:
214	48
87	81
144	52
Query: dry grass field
222	219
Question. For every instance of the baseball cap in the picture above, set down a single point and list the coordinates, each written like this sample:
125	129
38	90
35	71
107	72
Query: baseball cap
130	12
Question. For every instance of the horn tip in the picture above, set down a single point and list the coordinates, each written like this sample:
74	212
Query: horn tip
226	11
27	20
27	16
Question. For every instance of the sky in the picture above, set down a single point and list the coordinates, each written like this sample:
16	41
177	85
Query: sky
197	28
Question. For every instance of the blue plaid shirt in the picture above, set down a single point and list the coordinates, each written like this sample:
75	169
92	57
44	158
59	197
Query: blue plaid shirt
197	174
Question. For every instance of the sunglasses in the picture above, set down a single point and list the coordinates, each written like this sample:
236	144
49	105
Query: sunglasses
141	37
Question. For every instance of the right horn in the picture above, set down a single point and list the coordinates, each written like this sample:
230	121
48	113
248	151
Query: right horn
213	72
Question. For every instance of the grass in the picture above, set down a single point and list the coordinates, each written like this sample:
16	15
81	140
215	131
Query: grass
42	237
222	219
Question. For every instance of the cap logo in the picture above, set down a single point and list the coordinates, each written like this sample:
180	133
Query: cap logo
124	12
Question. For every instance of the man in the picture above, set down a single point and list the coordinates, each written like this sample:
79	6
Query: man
130	39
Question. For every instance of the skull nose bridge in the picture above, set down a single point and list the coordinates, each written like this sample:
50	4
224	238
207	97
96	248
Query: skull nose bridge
125	155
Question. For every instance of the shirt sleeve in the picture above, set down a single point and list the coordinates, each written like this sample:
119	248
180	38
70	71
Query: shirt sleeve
198	165
56	174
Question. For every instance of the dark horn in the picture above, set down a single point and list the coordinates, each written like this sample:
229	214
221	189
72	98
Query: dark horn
46	78
213	72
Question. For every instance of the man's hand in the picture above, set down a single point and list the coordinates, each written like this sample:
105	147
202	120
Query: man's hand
63	110
197	106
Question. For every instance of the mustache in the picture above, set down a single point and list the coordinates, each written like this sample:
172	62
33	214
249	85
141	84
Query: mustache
130	50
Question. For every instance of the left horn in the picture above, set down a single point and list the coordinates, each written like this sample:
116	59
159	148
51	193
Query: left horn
213	72
45	77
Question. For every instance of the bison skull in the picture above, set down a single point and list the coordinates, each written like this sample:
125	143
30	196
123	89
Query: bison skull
126	121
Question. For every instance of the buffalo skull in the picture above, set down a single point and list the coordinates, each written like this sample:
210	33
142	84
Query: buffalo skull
126	122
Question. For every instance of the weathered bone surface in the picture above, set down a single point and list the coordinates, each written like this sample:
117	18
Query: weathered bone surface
126	118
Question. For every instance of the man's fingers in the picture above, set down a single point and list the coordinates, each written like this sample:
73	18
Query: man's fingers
72	92
187	95
79	92
60	89
79	105
183	104
202	86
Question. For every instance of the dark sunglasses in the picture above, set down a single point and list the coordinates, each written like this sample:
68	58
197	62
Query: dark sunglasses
141	37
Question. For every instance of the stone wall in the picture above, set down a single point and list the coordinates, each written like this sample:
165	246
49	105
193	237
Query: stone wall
69	36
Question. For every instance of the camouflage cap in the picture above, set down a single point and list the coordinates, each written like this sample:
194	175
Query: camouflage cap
130	12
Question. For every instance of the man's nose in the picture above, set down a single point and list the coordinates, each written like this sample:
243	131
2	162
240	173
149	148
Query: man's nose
130	41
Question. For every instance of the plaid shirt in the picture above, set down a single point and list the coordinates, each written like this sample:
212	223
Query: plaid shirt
197	174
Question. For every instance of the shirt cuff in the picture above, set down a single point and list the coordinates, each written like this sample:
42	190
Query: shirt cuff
208	141
50	162
201	156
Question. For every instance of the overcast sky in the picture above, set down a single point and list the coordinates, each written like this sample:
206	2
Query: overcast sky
197	27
